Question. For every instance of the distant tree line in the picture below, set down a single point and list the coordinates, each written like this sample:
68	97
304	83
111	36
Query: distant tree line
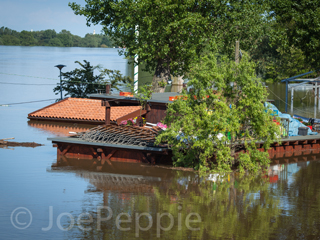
51	38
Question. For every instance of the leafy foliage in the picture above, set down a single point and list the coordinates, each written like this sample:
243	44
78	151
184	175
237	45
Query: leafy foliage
201	120
286	64
298	25
167	35
143	94
81	81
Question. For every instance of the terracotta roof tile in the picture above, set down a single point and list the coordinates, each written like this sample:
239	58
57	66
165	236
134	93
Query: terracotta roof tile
80	109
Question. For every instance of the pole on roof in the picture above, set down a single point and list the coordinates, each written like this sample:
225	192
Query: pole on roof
315	94
136	67
286	96
319	97
292	89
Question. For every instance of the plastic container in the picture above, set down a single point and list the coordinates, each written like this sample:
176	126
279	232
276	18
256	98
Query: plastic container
303	131
125	93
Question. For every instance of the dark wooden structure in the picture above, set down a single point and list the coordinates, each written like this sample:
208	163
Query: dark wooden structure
71	147
76	148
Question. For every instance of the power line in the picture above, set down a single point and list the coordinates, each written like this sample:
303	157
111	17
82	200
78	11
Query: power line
7	104
29	76
27	83
57	84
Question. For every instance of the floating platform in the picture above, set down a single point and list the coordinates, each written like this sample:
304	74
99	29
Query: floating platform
72	147
104	152
294	146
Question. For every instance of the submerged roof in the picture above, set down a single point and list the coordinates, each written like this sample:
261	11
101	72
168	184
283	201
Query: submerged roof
80	109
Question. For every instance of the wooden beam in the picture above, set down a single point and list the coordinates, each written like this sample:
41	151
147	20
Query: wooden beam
144	157
111	154
131	115
148	107
285	143
63	152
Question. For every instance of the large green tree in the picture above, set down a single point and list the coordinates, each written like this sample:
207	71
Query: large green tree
227	99
298	26
168	34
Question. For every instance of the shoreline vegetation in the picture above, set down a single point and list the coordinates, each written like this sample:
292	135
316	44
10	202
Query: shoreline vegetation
50	37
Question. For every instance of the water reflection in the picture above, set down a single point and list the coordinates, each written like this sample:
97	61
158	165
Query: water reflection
303	100
229	206
59	129
281	203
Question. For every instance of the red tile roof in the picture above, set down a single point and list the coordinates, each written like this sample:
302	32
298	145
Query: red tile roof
80	109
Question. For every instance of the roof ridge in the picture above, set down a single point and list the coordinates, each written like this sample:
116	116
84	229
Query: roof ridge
84	99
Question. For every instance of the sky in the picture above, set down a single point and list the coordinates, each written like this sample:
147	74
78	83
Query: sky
40	15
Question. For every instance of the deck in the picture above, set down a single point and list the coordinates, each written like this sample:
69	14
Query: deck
72	147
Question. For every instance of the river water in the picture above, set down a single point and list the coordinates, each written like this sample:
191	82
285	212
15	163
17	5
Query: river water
45	198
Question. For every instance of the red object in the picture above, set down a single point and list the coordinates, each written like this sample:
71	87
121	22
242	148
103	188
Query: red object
276	122
273	179
125	93
310	127
177	97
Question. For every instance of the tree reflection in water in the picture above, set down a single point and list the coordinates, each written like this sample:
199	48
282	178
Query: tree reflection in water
282	203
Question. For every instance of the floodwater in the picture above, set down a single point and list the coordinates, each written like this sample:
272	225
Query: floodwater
303	102
43	197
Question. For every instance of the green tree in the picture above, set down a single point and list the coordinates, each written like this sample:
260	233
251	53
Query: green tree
10	40
91	40
82	81
298	26
167	35
77	41
27	39
287	64
47	35
55	42
65	38
227	99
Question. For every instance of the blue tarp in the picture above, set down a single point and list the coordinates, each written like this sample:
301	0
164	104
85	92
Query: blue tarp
294	124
